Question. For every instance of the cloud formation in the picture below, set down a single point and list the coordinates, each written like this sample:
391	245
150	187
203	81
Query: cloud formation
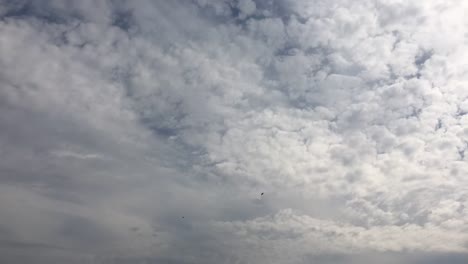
145	131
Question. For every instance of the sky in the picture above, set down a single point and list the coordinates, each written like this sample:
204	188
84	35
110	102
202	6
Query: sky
145	131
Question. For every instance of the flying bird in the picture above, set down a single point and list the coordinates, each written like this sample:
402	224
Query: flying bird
261	194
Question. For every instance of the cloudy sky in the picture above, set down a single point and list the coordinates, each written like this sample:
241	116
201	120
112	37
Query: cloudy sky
145	131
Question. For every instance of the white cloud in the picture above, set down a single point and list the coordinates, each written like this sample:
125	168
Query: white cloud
300	234
120	118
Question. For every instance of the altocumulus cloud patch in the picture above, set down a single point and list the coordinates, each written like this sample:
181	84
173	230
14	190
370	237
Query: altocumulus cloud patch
233	131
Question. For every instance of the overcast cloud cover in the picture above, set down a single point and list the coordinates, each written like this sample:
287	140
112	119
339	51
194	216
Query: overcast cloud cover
144	131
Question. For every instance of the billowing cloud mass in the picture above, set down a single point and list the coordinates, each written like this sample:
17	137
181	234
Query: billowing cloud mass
145	131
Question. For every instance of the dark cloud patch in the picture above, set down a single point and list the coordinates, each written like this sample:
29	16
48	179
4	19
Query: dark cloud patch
422	57
40	10
124	20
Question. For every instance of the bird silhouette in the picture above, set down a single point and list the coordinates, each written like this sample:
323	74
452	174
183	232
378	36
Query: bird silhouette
261	194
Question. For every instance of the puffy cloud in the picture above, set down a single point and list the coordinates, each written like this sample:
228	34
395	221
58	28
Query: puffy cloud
146	131
298	235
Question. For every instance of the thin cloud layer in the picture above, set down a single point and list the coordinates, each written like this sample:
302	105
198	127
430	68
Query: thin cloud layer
145	131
